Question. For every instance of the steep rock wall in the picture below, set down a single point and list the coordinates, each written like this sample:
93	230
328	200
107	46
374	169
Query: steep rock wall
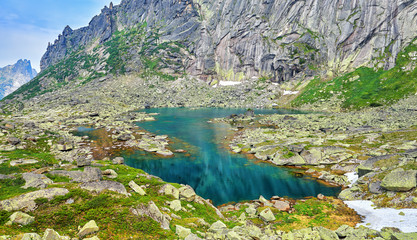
279	39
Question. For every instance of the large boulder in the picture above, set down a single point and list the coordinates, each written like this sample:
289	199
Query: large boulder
21	219
31	236
218	226
89	228
137	188
187	193
90	174
152	211
51	234
400	180
36	180
104	185
13	140
175	205
182	232
281	205
267	215
27	201
168	189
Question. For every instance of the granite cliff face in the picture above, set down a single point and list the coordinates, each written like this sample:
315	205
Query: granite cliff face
275	39
14	76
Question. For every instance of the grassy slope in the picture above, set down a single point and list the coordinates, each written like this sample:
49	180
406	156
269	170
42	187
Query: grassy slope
366	87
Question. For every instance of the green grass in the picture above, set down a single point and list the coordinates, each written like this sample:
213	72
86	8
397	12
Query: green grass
366	87
12	187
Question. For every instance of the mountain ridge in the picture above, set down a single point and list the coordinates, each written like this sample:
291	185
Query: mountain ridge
14	76
279	39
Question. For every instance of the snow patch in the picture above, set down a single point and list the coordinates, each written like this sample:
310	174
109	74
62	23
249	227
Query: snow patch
385	217
229	83
352	177
290	92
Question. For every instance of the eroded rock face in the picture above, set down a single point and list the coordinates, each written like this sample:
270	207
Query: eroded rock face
280	38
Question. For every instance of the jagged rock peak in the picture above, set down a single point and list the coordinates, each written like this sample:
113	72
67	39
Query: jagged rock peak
67	31
14	76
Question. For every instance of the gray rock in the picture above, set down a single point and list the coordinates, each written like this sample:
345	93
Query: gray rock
82	162
118	160
281	205
400	180
31	236
217	227
404	236
375	187
175	205
137	188
88	228
182	232
13	140
192	236
152	211
267	215
104	185
27	201
110	173
168	189
21	219
35	180
187	193
51	234
3	176
23	162
90	174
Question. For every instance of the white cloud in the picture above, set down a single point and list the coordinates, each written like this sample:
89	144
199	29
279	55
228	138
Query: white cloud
25	42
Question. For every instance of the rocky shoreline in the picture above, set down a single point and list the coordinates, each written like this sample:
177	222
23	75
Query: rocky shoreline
60	176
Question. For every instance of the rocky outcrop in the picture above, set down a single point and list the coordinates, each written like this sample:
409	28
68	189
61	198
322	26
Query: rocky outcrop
14	76
278	39
104	185
27	201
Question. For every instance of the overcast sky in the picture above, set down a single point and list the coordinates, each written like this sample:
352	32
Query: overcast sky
26	26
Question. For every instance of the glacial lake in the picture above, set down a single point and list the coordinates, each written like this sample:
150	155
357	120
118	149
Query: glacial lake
209	167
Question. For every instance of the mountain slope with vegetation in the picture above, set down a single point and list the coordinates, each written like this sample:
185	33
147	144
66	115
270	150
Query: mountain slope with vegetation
353	62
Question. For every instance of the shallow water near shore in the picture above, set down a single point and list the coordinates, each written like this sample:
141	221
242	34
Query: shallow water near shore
211	169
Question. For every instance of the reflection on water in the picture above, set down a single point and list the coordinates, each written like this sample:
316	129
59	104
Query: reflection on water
209	168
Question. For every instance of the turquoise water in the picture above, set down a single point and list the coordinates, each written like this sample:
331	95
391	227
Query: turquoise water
208	167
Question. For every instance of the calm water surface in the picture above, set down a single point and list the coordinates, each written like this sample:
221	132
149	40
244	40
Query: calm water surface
208	167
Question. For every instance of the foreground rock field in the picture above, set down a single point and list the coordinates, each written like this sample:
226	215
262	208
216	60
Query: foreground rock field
55	185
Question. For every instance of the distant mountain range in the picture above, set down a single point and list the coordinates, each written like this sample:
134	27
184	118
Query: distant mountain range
14	76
